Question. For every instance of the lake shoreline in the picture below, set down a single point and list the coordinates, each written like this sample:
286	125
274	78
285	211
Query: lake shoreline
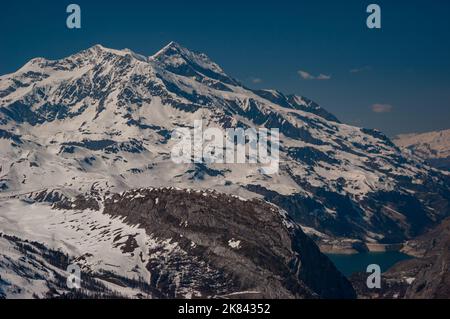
354	248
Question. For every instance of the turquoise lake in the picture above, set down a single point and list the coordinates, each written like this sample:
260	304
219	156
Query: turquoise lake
349	264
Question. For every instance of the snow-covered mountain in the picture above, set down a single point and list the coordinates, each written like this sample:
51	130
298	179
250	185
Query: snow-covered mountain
100	122
434	147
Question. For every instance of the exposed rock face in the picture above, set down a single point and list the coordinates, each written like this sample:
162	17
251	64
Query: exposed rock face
160	243
424	277
228	246
433	277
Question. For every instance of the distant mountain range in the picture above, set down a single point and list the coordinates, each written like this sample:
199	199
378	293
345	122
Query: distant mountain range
80	132
434	147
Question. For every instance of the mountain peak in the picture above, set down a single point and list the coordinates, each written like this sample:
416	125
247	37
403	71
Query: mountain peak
170	49
174	45
99	50
180	60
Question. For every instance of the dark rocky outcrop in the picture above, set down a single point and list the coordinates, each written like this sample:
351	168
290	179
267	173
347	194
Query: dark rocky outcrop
229	246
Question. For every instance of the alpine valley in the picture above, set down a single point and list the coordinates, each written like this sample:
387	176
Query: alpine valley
86	177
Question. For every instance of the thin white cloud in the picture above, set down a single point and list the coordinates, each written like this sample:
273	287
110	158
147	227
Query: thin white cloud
323	77
256	80
361	69
308	76
305	75
381	108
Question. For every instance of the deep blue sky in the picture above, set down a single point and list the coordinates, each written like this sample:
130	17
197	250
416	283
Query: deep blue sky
264	44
